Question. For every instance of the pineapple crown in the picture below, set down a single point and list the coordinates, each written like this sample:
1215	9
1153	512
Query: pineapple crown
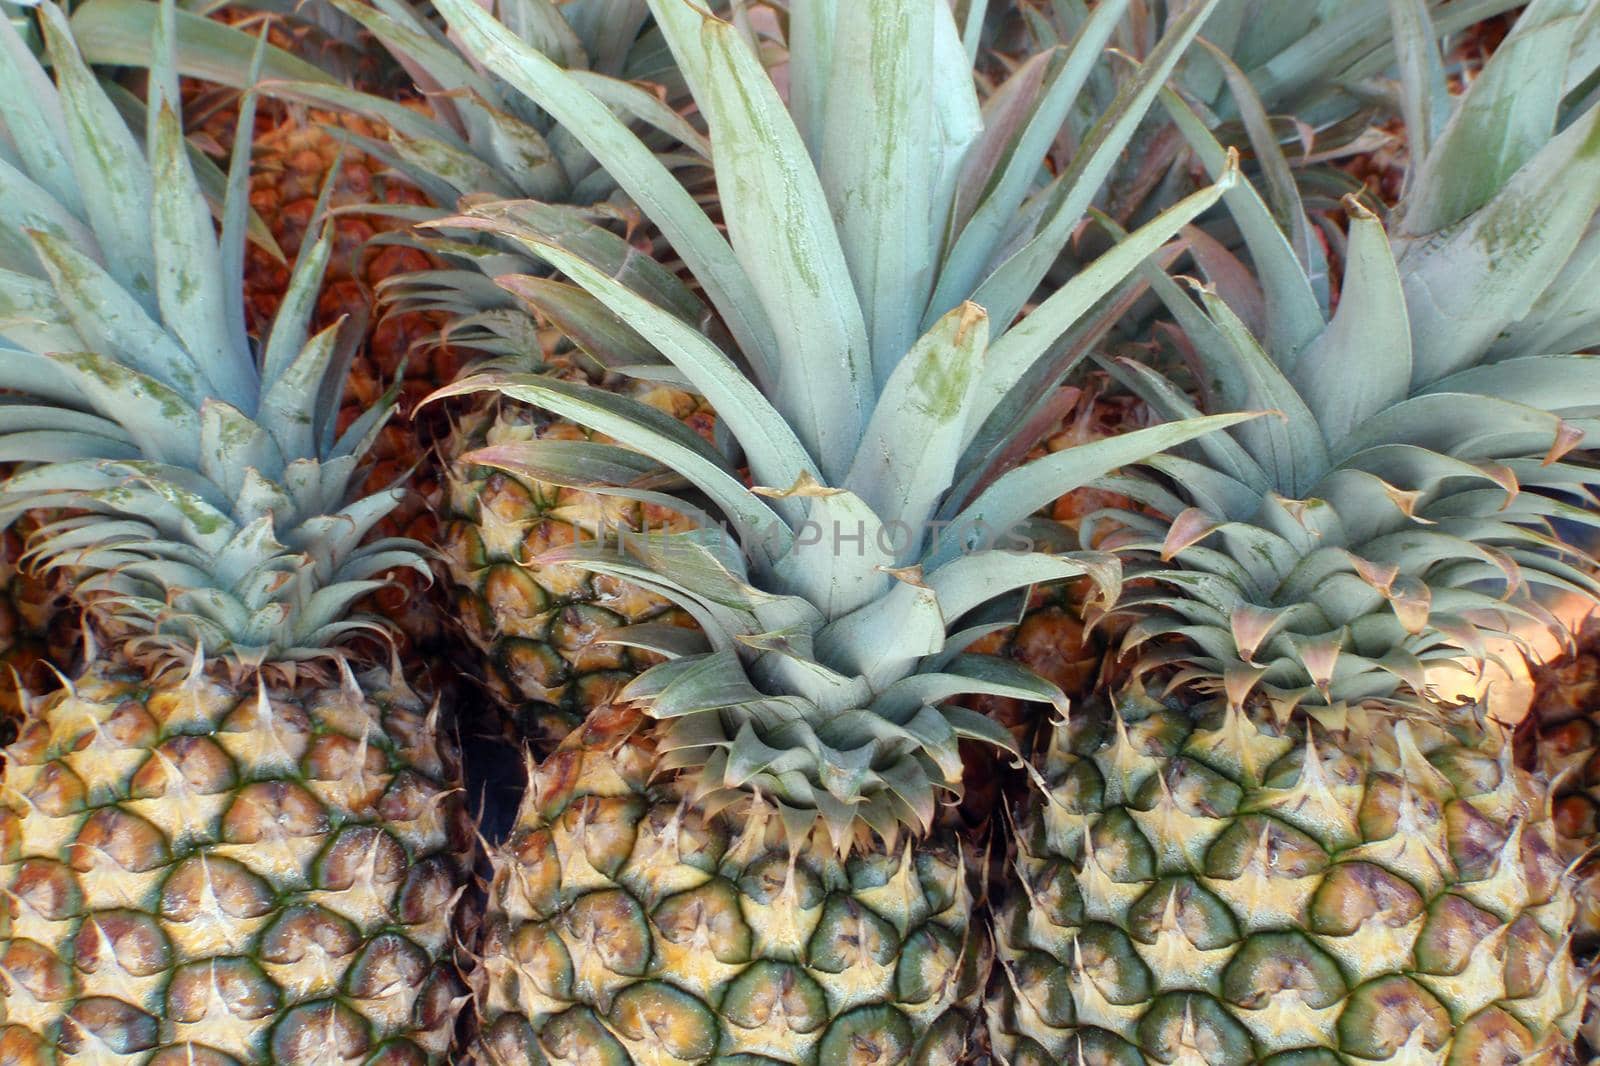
1312	60
476	138
884	233
1400	508
206	488
1323	62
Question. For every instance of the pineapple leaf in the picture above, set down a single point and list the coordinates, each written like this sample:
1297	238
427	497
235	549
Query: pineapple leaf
53	445
30	111
291	326
1294	314
540	23
912	444
599	468
25	207
532	225
1361	364
775	455
878	640
1019	348
969	581
957	124
797	266
1007	286
1506	115
649	431
586	322
1287	443
289	405
1547	382
1424	97
877	148
459	169
573	463
231	443
433	61
117	33
636	170
108	160
237	216
1465	286
993	205
109	320
1276	175
190	285
1565	318
254	547
160	420
842	553
1228	459
966	675
813	31
1019	492
627	99
1462	425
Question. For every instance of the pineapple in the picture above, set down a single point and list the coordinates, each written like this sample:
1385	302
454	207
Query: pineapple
533	628
741	857
230	838
1275	841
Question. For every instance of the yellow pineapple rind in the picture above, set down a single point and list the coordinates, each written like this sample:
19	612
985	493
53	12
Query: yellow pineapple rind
197	870
628	925
1203	886
538	627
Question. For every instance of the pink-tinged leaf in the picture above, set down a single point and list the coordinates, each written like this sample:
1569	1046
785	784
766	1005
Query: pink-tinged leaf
1464	635
1568	437
1408	668
1252	626
1412	601
1239	680
1505	477
1406	500
1380	576
1232	280
1319	656
1508	566
1188	529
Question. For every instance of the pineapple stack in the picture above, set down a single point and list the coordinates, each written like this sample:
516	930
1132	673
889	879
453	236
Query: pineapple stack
534	627
774	520
233	837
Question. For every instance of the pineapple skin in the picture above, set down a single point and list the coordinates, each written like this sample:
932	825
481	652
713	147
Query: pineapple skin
1201	888
627	926
1565	728
210	873
535	627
